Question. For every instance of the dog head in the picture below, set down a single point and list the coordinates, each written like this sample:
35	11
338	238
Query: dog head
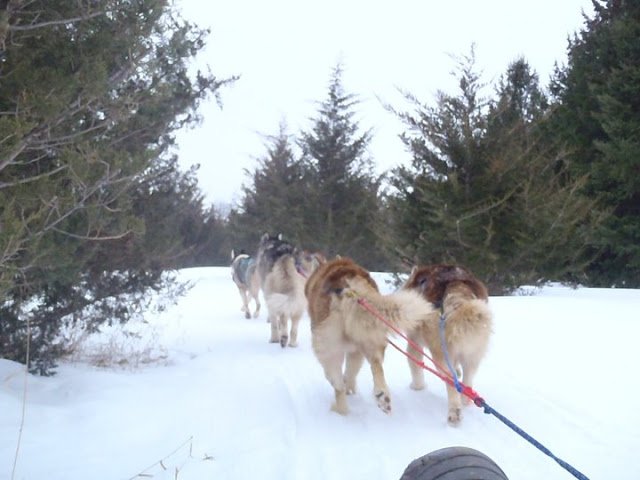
270	249
275	245
436	281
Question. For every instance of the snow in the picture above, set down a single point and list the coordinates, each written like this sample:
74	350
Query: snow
219	401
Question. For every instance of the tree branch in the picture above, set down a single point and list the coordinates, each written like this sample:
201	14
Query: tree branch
23	28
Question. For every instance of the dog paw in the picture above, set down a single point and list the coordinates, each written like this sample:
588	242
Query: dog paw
416	385
341	409
274	340
350	387
454	416
247	315
293	344
283	341
384	401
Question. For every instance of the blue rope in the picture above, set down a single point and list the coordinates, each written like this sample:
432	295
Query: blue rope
573	471
480	402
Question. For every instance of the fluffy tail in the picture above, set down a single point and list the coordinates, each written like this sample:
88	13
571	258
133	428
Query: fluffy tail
471	319
287	305
404	309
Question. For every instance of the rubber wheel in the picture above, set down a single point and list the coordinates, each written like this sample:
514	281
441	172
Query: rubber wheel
453	463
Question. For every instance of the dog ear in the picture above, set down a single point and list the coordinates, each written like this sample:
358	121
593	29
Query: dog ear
423	282
265	237
319	258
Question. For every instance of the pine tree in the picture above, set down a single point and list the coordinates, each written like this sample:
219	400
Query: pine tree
273	201
342	209
484	189
598	115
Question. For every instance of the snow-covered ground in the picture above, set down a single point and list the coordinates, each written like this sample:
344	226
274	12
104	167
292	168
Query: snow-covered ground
220	402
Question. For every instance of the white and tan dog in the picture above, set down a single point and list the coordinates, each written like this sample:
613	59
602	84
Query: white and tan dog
342	329
245	275
461	299
283	270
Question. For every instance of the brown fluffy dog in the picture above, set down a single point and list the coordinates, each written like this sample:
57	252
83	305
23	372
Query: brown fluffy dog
462	299
342	329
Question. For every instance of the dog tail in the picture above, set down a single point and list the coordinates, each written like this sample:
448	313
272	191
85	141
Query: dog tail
405	310
469	318
286	304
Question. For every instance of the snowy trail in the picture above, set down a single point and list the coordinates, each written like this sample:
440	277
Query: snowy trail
558	366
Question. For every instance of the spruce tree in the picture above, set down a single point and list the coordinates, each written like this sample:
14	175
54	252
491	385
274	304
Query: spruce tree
341	204
273	201
484	189
598	116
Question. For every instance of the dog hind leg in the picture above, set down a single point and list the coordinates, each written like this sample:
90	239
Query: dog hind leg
293	335
275	335
282	327
256	298
332	365
254	289
245	302
380	388
454	403
469	369
353	365
417	373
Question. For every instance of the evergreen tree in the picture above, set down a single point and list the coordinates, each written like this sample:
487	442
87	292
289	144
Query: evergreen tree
341	204
180	231
483	188
598	115
90	95
274	199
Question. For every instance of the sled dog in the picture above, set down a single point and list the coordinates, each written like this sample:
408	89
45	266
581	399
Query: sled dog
461	299
283	271
244	273
343	331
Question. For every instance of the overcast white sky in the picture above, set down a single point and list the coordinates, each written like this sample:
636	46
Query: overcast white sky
285	50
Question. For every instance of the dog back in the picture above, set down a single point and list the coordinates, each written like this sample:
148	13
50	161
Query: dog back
463	299
438	281
331	277
270	250
242	268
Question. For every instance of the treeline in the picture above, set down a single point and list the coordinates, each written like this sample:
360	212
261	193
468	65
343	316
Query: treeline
523	183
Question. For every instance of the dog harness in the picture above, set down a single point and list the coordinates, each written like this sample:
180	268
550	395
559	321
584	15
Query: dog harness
244	265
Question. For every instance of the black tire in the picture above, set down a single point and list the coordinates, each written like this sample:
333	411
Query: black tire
453	463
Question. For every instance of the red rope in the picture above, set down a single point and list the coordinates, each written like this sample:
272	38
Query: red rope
465	390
